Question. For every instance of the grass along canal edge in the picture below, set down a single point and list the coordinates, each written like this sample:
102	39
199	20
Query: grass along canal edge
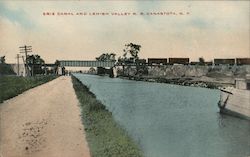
105	137
11	86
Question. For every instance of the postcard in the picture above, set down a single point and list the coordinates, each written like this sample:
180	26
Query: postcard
124	78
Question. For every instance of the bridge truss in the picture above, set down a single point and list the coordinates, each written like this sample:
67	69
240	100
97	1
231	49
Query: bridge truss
75	63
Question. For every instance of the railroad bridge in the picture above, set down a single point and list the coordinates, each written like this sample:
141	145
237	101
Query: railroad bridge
77	63
101	66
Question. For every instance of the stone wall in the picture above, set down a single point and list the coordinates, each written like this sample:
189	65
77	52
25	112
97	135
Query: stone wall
198	71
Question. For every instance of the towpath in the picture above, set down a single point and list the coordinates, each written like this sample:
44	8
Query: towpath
43	121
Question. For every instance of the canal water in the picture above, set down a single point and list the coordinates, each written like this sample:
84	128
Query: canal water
170	120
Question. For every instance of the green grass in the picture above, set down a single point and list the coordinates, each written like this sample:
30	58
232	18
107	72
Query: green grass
105	137
11	86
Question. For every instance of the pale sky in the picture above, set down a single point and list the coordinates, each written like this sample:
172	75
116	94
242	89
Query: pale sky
212	29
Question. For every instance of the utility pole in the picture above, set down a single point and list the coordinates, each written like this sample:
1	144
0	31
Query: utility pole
26	49
18	65
24	65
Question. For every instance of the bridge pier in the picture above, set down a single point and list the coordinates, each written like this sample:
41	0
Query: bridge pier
103	71
61	70
115	71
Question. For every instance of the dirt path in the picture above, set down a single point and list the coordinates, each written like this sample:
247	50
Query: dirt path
43	122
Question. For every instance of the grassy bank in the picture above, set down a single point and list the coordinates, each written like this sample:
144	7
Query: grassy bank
104	136
11	86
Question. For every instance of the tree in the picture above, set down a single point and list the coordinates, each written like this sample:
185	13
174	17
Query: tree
130	53
57	62
106	57
35	62
5	69
2	59
132	49
201	61
34	59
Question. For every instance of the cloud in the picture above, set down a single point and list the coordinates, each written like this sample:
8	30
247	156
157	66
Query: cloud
16	15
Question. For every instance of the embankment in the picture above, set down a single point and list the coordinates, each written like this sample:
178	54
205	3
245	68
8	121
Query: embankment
105	137
11	86
190	75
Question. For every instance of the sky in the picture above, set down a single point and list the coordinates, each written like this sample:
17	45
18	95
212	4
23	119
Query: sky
208	29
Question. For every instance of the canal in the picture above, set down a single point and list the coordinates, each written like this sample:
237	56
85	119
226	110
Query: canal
170	120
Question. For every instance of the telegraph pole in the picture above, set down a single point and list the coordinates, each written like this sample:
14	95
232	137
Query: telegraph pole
26	49
18	65
24	65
